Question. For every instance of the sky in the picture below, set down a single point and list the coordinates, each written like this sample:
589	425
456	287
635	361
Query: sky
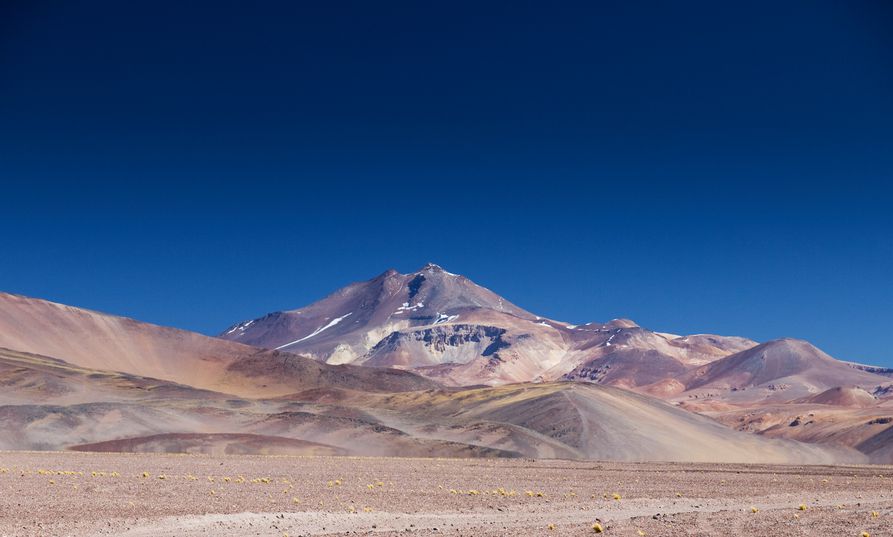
699	167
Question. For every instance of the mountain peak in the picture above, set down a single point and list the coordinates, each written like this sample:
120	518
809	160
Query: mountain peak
790	344
432	267
621	323
338	328
387	274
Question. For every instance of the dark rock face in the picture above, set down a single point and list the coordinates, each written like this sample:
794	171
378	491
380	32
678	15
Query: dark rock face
414	285
439	339
883	391
883	371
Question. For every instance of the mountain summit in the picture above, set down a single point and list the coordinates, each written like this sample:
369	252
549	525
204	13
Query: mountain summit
346	325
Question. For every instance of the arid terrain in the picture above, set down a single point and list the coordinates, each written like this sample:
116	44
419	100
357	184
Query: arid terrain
75	379
424	404
157	495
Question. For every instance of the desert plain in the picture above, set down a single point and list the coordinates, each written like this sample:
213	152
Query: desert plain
157	495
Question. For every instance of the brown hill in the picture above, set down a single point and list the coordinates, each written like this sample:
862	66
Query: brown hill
850	396
104	342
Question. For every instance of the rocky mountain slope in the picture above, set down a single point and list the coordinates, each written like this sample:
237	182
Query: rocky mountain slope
426	318
779	370
446	327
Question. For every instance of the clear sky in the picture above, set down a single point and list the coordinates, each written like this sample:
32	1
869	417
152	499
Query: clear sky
697	167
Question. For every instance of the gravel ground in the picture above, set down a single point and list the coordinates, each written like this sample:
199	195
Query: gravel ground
49	494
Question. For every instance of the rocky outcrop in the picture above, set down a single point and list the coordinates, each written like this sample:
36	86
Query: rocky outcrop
456	343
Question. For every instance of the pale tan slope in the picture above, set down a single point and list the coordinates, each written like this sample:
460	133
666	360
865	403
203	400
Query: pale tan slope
96	340
31	378
601	422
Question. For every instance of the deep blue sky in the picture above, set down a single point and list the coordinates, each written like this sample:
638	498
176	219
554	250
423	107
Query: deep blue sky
698	167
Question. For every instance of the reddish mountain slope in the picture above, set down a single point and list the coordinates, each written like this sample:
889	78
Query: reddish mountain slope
780	370
94	340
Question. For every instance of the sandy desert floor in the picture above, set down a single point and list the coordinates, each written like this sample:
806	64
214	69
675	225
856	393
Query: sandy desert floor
182	495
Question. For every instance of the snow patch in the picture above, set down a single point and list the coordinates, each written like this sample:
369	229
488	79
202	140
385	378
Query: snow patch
240	327
443	318
406	307
332	323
